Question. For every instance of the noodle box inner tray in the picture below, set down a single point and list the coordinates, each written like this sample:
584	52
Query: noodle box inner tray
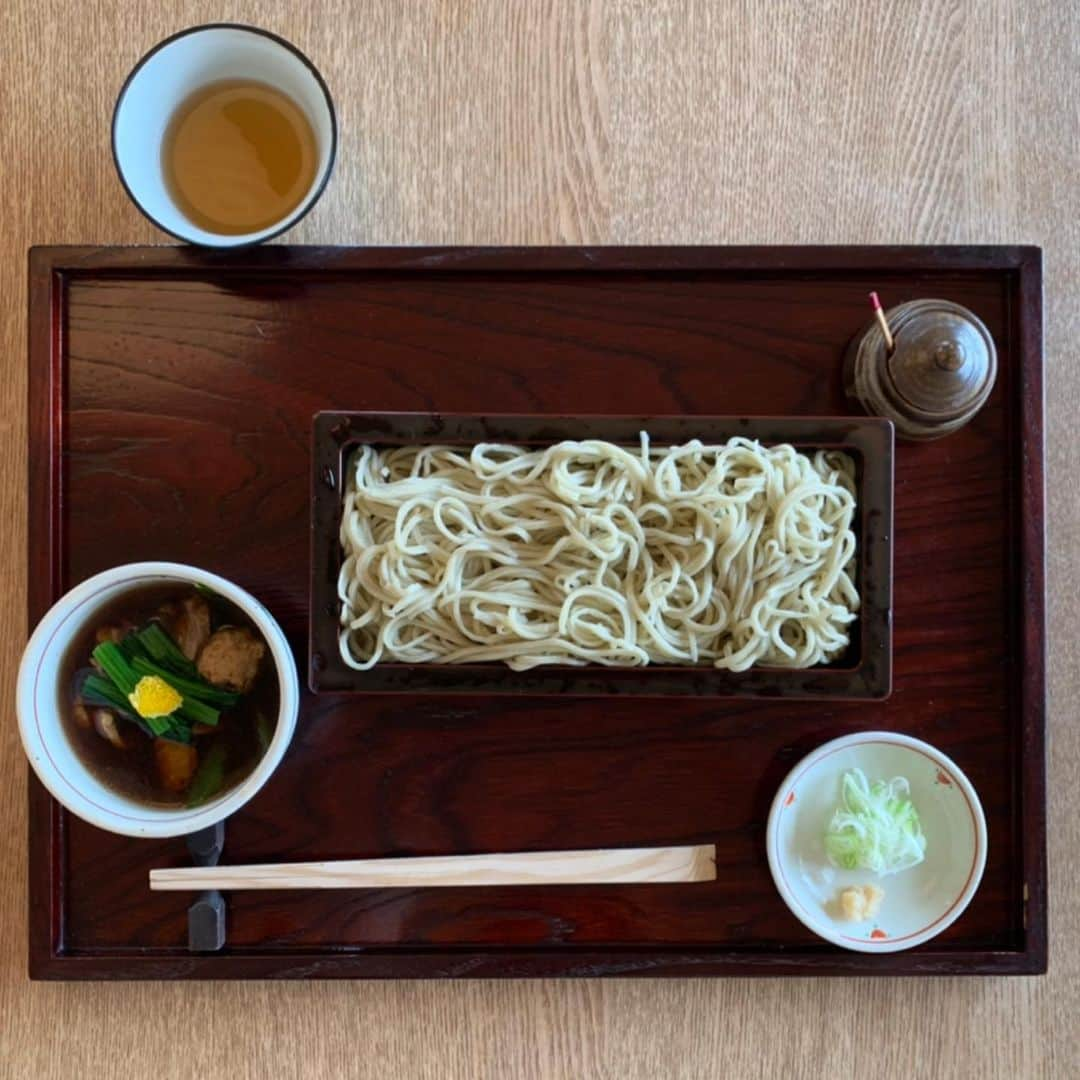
863	671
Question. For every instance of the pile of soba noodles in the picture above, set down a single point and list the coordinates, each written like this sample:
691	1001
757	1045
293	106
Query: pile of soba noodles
591	553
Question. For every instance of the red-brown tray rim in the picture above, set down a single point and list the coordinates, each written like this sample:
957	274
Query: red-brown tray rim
52	269
864	673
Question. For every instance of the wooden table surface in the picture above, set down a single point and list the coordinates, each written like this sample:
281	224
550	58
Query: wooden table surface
632	121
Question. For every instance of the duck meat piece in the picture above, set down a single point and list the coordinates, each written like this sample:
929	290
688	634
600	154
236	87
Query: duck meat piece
105	726
189	625
115	634
231	658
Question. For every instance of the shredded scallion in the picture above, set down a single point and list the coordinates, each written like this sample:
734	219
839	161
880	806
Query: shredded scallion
875	827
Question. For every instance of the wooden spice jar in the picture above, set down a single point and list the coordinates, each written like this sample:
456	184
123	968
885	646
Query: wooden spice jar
937	377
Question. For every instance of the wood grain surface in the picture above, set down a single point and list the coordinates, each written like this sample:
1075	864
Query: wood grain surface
567	122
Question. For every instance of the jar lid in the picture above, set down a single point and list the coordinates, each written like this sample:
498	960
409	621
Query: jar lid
944	363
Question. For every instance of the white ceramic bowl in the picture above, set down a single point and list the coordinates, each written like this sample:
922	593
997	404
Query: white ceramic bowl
919	902
45	739
173	70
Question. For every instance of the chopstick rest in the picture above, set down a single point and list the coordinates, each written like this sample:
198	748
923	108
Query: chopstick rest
206	916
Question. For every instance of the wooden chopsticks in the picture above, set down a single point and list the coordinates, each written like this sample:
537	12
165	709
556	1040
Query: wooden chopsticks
606	866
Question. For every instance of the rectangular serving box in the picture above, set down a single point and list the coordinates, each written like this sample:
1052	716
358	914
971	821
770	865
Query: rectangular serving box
863	672
171	393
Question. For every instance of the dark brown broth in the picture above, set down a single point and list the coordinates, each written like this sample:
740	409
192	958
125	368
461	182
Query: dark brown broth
132	772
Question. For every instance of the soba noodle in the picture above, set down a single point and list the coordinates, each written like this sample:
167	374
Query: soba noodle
587	552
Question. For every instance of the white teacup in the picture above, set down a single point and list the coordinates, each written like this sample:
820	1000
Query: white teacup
185	63
40	697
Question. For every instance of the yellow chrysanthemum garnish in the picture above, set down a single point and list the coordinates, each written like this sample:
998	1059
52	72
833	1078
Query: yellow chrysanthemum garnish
154	697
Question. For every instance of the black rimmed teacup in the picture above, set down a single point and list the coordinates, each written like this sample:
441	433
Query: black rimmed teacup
178	68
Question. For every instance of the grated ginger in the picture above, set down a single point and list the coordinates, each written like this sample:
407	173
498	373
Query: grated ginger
861	902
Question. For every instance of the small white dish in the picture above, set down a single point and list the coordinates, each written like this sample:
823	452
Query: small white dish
184	63
919	902
45	739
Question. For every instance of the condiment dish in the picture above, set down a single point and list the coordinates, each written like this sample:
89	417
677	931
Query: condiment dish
919	902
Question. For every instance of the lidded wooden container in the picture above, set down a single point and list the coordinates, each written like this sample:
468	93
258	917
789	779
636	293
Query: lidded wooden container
937	377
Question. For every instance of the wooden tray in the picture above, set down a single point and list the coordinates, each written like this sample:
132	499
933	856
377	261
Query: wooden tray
171	397
863	672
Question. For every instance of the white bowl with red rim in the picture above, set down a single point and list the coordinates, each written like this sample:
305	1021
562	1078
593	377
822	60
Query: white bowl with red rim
40	699
920	902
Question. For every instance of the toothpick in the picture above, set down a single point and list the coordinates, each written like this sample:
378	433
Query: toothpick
890	344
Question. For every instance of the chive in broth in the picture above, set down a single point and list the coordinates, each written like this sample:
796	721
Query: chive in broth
169	696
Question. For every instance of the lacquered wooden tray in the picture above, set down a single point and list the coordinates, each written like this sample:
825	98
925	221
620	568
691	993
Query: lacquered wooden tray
171	402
